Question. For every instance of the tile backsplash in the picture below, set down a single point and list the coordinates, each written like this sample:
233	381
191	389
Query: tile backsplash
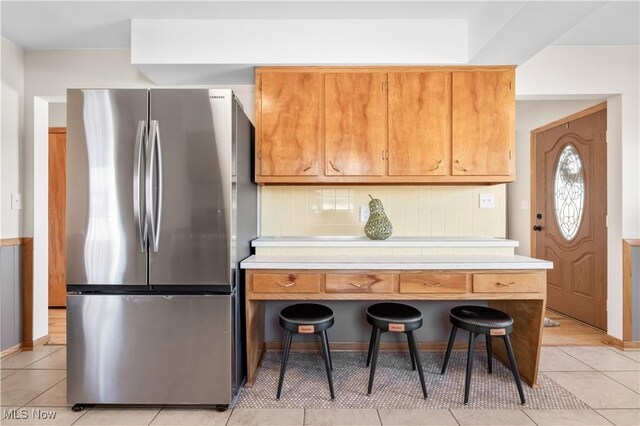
413	210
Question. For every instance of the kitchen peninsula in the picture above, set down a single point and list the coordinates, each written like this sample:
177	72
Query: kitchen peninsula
513	284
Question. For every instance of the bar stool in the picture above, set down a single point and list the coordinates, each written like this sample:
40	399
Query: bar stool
306	318
399	318
490	322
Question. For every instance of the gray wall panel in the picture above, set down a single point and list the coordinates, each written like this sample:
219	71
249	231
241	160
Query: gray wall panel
351	324
8	293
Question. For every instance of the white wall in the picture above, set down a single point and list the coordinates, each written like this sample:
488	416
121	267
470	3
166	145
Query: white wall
11	124
612	73
57	114
48	74
531	115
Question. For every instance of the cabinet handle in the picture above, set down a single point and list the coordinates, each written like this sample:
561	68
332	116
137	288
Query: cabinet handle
428	284
505	284
334	167
290	284
356	285
460	166
436	167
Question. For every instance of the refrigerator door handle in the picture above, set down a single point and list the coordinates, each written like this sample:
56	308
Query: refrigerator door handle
154	209
140	148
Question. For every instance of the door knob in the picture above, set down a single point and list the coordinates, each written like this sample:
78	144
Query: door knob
537	228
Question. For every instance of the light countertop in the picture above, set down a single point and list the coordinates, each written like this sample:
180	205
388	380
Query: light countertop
435	262
390	242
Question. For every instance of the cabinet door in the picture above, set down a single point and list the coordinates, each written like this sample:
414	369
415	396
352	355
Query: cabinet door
290	125
483	112
355	124
419	123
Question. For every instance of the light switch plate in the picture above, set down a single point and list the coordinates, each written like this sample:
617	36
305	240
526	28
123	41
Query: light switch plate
487	201
16	201
364	214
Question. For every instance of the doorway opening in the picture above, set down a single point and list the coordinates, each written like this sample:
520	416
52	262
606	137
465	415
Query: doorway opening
569	219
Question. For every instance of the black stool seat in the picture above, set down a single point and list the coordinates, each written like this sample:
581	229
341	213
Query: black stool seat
381	315
480	319
490	322
394	317
319	316
306	318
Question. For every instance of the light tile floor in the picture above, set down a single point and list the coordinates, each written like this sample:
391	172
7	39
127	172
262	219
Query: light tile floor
606	379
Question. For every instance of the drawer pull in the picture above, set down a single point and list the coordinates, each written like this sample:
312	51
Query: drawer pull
356	285
505	284
290	284
432	284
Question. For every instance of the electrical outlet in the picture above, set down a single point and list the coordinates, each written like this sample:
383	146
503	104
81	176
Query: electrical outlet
16	201
364	214
487	201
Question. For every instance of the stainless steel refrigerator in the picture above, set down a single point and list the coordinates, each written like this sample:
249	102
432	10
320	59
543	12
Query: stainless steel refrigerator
160	210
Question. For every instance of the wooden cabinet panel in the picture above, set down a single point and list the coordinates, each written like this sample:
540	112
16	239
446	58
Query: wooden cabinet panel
359	283
419	123
433	283
286	283
483	123
290	126
355	124
508	283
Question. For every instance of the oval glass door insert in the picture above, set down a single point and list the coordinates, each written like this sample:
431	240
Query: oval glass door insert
569	192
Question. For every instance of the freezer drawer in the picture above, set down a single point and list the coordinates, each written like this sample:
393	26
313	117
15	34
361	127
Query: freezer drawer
149	349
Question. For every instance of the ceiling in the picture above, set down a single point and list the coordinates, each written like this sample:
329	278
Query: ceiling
106	24
492	32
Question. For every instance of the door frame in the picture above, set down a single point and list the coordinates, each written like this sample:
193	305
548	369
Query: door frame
53	131
533	208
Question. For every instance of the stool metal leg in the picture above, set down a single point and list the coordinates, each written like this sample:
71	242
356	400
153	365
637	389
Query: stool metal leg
514	367
285	358
413	347
327	362
413	360
467	380
326	339
374	359
489	354
372	341
452	338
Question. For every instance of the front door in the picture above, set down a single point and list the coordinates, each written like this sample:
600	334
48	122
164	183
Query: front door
570	211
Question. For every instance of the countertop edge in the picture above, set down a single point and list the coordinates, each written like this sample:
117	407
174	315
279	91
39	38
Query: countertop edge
509	263
392	243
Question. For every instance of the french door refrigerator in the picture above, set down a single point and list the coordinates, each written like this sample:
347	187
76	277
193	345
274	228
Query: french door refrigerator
160	210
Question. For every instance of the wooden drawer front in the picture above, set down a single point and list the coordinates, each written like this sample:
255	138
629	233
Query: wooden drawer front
359	283
286	283
433	283
508	283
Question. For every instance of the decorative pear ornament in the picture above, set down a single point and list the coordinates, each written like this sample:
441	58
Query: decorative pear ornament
378	226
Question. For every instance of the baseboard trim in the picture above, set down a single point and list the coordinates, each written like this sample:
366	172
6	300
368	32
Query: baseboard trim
631	345
364	346
613	341
11	350
29	346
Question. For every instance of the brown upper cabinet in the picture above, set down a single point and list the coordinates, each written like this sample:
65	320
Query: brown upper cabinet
385	124
355	124
419	123
483	123
290	124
